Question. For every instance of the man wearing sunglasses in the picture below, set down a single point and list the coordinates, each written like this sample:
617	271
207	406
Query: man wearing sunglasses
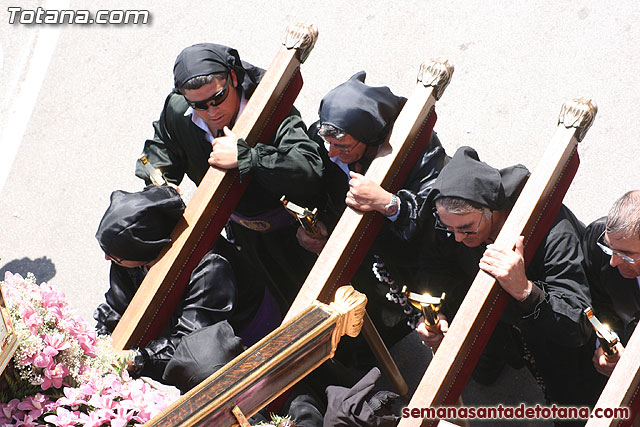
545	315
612	260
212	88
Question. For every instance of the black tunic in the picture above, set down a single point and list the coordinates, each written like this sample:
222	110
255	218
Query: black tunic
217	291
391	241
551	319
616	300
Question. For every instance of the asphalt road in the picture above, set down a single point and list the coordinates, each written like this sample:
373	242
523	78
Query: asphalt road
78	100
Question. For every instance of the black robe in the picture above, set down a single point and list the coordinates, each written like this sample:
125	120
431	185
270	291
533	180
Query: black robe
217	291
616	300
551	319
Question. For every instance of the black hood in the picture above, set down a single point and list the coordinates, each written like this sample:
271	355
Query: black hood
365	112
203	59
466	177
136	226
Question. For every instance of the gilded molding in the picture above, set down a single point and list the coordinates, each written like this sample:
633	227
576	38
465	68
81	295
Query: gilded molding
302	37
578	113
351	304
437	74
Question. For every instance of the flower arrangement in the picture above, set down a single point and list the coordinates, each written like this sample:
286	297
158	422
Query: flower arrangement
62	373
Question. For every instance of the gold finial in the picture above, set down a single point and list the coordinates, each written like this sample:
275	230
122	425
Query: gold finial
352	304
578	113
301	36
437	74
428	305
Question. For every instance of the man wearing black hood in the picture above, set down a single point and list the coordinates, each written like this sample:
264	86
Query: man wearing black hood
355	119
472	202
212	87
132	233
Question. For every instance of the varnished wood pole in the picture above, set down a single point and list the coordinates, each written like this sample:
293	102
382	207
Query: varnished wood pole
355	231
622	388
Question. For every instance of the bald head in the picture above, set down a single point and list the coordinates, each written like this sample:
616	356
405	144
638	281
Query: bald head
624	217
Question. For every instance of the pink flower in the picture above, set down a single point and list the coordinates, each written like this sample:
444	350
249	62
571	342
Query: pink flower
57	342
86	343
63	418
101	402
13	279
28	421
93	419
31	318
10	408
53	377
36	405
87	389
122	417
51	297
112	383
73	397
45	359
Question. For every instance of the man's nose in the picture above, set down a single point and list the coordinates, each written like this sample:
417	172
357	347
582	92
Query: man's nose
459	236
615	260
333	151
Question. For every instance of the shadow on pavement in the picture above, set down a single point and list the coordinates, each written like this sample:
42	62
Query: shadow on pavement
43	268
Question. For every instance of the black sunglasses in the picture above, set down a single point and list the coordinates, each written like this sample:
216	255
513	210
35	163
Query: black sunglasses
216	99
116	259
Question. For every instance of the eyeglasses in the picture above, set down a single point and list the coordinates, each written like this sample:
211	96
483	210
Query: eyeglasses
216	99
440	226
341	148
607	250
116	259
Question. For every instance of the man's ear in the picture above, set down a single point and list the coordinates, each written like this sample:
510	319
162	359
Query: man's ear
234	78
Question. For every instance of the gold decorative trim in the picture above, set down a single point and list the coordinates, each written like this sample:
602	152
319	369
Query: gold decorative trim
301	36
437	74
578	113
351	304
240	417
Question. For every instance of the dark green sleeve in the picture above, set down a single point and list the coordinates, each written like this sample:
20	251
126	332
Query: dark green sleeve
163	151
292	163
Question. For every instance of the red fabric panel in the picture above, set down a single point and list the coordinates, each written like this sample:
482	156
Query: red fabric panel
218	221
552	209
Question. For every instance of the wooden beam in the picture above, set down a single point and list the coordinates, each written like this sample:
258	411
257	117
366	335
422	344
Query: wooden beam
472	326
355	232
213	201
622	388
353	235
271	366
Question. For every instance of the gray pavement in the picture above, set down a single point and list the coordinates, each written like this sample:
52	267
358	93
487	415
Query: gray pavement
516	62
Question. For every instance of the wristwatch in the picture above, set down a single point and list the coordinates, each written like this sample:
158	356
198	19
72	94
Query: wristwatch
392	208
